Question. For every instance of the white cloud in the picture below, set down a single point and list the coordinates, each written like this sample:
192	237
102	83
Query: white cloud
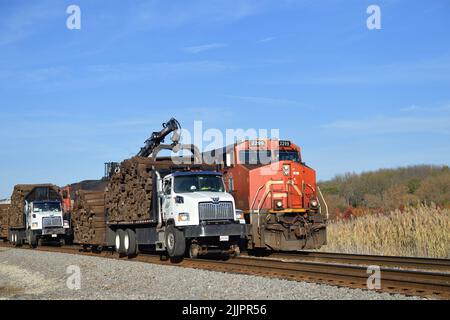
107	74
384	125
170	14
412	107
416	108
414	72
270	101
21	21
268	39
204	47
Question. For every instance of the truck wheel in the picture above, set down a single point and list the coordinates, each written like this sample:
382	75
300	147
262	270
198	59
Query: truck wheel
130	243
120	235
62	242
194	251
175	242
97	249
18	240
236	250
33	241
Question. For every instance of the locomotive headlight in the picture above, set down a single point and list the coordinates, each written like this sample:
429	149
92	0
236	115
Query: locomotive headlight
279	204
183	217
314	203
286	170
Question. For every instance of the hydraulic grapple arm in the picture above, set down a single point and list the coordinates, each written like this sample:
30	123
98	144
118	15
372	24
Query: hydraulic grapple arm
158	137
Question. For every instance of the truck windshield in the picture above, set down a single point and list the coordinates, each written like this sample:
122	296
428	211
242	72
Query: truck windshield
46	207
195	183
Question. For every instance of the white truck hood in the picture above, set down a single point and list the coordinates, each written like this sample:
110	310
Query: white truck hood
49	213
205	196
191	203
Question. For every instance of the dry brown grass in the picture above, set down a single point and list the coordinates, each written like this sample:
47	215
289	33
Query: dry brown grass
421	232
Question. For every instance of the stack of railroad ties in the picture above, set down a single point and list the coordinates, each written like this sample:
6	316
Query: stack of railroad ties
88	217
4	220
129	193
126	198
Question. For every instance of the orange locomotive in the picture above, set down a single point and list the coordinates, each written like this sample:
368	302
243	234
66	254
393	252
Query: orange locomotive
277	192
67	202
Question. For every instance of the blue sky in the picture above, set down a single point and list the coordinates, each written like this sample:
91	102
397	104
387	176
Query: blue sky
354	99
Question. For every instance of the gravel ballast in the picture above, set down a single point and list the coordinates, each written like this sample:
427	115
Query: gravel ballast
27	274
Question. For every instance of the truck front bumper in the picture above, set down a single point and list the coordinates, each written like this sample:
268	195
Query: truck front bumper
217	230
51	231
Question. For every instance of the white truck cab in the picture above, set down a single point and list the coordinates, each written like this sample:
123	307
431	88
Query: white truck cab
38	216
193	197
44	221
200	214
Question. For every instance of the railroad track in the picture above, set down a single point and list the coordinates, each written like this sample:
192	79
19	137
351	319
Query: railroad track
365	260
430	284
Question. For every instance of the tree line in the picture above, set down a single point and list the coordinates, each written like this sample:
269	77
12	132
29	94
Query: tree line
387	189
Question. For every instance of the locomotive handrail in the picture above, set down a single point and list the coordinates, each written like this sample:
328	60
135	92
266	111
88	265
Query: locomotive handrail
296	188
263	199
253	204
310	186
324	201
260	203
267	184
256	196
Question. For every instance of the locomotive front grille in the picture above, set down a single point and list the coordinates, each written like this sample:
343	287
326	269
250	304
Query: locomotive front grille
50	222
216	211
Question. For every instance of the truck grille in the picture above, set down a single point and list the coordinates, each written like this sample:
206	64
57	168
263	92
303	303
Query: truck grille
50	222
216	211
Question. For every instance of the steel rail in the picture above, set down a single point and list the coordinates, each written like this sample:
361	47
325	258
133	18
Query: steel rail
407	282
362	259
410	282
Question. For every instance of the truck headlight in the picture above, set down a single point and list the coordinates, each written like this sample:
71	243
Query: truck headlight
66	224
239	215
183	216
34	225
287	170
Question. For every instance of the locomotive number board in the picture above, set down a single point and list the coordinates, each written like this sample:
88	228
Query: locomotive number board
285	143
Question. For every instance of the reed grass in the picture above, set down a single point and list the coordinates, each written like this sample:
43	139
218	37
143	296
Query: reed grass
422	231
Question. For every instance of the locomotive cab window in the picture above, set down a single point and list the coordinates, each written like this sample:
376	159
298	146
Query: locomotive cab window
282	155
255	156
